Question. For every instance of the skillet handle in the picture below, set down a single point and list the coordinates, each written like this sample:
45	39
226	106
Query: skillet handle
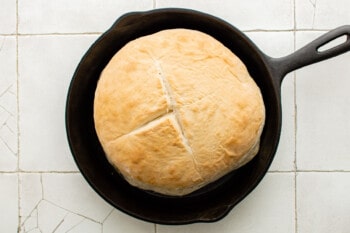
310	53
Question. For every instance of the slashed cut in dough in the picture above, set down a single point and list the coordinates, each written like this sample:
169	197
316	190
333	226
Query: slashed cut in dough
177	110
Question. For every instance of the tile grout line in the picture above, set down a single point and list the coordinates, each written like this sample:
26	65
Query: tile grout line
277	171
39	172
18	132
295	128
17	85
8	34
62	34
323	171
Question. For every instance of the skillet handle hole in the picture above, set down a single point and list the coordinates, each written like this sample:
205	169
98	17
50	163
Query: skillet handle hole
333	43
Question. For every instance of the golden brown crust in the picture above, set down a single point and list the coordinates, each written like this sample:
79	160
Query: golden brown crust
155	158
121	90
177	110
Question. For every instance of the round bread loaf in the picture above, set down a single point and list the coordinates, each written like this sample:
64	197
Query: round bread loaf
177	110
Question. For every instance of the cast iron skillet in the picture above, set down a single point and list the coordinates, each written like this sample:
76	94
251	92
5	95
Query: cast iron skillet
214	201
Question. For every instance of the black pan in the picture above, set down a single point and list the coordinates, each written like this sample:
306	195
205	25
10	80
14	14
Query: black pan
214	201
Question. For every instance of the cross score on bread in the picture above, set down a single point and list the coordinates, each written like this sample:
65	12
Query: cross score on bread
177	110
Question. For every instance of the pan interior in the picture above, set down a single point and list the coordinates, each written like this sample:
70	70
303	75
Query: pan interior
207	204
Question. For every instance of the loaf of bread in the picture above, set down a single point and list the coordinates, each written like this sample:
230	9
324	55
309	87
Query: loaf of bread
177	110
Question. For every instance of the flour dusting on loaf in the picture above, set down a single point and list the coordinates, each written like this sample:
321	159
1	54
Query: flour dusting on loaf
177	110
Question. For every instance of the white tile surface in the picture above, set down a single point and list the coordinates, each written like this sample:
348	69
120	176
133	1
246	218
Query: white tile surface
8	104
279	44
323	100
31	192
46	66
8	203
70	191
52	196
64	202
285	155
66	16
8	17
323	202
48	217
322	14
273	44
246	15
113	224
270	208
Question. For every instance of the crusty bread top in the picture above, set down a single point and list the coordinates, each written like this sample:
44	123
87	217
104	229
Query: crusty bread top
176	110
